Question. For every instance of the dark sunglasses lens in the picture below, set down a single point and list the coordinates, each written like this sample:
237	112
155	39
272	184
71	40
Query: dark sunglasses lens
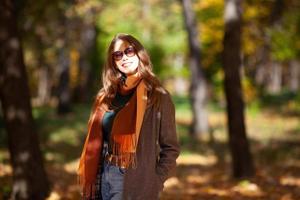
129	52
118	55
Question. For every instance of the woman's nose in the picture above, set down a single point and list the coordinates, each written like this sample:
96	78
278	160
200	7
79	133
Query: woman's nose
124	57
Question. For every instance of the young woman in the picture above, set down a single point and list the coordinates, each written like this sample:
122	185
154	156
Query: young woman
131	144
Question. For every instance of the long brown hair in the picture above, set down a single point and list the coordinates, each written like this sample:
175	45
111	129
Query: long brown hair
111	75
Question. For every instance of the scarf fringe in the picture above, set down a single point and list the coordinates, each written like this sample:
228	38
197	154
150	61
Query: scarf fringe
88	190
125	150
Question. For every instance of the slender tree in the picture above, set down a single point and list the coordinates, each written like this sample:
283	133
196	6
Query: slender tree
241	157
198	88
63	88
88	41
294	69
269	71
29	177
63	63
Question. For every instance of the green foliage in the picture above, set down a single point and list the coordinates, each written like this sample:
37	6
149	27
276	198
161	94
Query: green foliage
162	38
183	106
5	191
281	45
285	38
278	99
62	137
211	29
159	26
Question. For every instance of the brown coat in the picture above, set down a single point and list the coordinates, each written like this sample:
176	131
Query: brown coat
157	151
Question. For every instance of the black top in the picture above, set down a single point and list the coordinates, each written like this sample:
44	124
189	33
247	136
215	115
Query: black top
117	104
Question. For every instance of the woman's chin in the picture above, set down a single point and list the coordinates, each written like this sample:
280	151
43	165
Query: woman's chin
128	72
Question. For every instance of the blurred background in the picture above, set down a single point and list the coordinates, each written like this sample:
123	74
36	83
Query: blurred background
231	66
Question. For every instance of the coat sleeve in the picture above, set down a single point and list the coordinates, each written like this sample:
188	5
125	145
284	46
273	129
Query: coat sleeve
167	139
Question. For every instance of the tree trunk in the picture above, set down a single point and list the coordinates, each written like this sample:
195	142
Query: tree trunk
241	158
43	92
180	84
64	96
294	75
271	80
146	9
260	75
43	86
88	40
275	79
198	88
29	177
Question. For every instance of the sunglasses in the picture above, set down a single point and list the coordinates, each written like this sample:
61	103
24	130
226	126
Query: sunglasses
118	55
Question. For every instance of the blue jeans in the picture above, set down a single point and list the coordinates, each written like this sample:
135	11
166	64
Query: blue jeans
112	182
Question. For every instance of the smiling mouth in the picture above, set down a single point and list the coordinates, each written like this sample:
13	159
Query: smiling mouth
125	64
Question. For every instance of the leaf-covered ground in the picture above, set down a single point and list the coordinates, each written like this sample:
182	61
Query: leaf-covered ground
204	170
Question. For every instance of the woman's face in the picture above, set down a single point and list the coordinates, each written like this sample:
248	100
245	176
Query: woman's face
125	57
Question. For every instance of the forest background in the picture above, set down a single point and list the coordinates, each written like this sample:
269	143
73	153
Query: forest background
232	68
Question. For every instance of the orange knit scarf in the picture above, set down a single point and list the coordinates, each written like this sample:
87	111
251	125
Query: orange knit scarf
124	135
